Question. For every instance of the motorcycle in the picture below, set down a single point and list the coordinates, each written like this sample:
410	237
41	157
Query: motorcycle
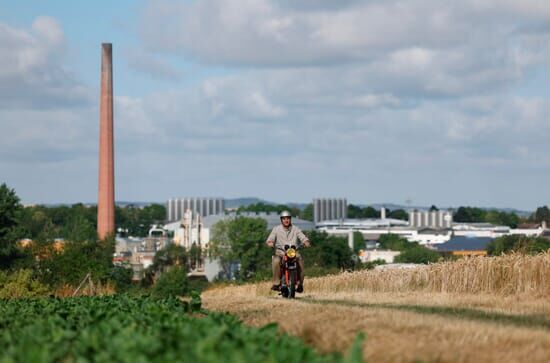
289	272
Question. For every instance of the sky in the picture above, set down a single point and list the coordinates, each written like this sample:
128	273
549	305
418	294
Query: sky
425	101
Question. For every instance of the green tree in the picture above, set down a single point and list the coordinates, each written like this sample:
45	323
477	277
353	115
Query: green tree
398	214
393	242
171	255
502	218
354	211
517	243
220	247
10	214
247	237
418	254
269	208
307	213
78	228
358	212
469	215
172	283
241	240
411	252
76	259
327	252
358	242
542	214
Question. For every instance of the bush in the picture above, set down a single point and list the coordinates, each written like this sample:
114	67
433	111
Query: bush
517	243
411	252
172	283
20	284
418	254
122	277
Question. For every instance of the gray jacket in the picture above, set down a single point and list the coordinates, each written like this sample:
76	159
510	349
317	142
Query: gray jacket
291	236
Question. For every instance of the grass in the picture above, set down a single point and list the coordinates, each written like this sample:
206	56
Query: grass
521	320
504	275
471	310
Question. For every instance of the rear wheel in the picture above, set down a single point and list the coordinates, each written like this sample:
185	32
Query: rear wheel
292	283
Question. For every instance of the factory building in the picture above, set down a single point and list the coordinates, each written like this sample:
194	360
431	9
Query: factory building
176	207
325	209
431	219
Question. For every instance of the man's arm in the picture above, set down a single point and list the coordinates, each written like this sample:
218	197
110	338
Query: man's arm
303	238
272	238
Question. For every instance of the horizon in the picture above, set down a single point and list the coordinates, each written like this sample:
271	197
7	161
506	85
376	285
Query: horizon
376	205
419	102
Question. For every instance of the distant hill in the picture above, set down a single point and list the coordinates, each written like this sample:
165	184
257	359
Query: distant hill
246	201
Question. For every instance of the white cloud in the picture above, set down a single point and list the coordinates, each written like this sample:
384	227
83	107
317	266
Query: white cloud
31	74
155	67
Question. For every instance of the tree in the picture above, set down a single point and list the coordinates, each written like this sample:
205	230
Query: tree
354	211
469	215
418	254
328	251
411	252
358	242
398	214
247	237
517	243
219	247
241	240
502	218
393	242
433	208
307	213
70	264
10	214
358	212
171	255
172	283
542	214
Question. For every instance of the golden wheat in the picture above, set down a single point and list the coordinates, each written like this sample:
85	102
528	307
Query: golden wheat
503	275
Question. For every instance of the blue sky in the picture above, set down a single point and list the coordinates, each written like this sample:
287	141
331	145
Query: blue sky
377	101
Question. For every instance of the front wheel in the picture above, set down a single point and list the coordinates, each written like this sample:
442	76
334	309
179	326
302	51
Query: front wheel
292	283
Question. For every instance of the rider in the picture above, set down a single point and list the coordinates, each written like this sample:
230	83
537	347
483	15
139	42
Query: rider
281	235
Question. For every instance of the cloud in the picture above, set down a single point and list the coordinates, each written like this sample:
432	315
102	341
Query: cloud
155	67
31	74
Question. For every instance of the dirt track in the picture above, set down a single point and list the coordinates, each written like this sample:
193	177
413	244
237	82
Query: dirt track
401	327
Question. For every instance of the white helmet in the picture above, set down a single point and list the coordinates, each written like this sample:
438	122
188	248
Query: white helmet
285	213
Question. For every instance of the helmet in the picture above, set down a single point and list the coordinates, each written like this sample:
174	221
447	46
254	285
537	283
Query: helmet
285	213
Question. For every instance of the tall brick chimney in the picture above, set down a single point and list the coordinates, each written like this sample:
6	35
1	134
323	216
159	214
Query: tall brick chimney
106	192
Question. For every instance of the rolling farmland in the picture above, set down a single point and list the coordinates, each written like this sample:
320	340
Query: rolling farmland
471	310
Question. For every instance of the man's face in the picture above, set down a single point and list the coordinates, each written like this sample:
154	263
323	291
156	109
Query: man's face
285	221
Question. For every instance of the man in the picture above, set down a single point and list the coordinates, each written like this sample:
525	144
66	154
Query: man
281	235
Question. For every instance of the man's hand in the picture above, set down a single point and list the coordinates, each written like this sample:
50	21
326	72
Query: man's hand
269	244
307	243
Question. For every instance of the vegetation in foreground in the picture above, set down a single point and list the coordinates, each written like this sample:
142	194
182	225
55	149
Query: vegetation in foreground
128	329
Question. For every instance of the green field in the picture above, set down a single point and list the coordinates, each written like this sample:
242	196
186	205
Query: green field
129	329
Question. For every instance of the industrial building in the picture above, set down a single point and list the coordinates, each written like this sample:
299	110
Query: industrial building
325	209
431	219
176	207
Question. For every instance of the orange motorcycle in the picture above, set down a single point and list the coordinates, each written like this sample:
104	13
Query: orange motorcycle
289	272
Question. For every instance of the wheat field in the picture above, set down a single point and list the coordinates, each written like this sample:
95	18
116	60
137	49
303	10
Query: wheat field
482	309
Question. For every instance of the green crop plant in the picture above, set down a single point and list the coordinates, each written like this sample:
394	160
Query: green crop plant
121	328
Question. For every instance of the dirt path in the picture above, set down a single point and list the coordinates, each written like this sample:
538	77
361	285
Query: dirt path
402	327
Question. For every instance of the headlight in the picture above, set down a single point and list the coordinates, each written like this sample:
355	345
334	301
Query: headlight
291	252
